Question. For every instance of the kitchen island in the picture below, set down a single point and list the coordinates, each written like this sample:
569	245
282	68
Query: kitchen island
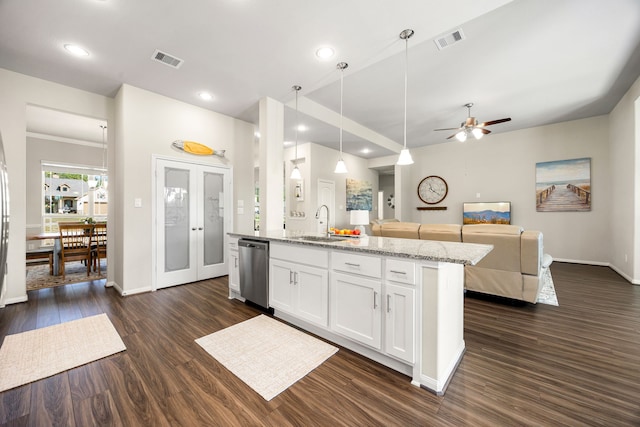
397	301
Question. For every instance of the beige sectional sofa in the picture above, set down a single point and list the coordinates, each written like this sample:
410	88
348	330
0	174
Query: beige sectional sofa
511	270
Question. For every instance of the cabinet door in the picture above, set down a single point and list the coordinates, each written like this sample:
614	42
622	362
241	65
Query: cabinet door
312	294
400	322
355	308
281	276
234	271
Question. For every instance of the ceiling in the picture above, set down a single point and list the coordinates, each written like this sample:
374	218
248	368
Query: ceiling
536	61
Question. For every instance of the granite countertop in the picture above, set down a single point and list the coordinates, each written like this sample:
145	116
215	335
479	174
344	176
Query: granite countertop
429	250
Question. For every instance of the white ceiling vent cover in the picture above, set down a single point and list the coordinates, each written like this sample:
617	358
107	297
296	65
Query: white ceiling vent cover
167	59
446	40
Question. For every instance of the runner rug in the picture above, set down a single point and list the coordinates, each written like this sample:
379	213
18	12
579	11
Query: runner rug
40	353
266	354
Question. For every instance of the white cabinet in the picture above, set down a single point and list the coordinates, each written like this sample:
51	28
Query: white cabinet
234	266
400	309
400	321
355	308
297	288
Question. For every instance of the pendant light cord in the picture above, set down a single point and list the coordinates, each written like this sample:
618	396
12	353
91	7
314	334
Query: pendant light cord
341	95
297	88
406	68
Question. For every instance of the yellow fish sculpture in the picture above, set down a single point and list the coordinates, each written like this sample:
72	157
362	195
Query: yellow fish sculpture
193	147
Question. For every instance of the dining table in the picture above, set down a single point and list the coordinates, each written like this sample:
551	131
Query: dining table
56	246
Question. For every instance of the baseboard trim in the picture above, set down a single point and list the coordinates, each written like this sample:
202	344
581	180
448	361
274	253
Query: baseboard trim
16	300
602	264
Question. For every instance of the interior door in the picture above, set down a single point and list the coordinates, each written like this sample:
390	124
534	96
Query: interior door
191	224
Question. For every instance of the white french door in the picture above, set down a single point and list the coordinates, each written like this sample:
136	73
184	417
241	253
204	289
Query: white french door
191	222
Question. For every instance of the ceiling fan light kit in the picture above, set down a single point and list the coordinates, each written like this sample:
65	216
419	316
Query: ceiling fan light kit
471	126
405	156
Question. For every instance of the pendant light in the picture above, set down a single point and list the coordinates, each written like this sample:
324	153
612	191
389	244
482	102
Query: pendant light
405	156
295	173
340	166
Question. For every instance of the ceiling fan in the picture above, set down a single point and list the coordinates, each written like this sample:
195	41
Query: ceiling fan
471	126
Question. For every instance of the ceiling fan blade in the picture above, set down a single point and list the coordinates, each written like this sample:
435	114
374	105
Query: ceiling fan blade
485	131
448	129
449	137
494	122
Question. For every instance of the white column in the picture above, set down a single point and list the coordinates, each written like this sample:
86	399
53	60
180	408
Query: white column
271	164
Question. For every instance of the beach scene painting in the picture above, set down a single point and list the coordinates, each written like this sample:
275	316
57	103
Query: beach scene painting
486	213
359	195
563	185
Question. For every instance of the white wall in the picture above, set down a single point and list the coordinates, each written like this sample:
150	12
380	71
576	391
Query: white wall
624	137
501	167
318	162
17	91
148	123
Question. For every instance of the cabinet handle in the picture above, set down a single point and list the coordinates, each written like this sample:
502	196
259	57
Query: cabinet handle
235	260
398	272
290	277
375	303
388	303
193	229
295	278
350	264
200	228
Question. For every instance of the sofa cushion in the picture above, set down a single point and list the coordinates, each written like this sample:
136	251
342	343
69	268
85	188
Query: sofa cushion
405	230
442	232
506	244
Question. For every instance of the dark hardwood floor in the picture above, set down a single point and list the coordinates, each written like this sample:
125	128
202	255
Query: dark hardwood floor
576	364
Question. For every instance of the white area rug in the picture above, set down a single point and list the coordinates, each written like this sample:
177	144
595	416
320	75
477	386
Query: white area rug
548	292
34	355
267	355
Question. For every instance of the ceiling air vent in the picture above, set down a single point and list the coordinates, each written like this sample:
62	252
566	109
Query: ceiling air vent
446	40
167	59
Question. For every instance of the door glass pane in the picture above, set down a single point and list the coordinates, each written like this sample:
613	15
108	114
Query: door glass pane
213	218
176	219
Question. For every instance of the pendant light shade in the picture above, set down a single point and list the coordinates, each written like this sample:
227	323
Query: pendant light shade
295	173
341	167
405	155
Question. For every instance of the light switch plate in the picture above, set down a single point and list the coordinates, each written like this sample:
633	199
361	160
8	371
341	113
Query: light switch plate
137	202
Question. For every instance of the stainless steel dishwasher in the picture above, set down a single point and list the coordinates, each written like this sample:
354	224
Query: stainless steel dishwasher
254	271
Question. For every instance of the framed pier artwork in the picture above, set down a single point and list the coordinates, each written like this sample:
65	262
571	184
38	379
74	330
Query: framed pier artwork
563	185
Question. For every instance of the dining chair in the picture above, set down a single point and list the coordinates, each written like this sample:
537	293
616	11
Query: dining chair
75	244
99	244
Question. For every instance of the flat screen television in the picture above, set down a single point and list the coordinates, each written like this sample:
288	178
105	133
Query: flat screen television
486	213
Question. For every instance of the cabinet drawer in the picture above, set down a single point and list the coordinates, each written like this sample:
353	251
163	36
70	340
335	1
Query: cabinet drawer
300	254
233	243
400	271
357	264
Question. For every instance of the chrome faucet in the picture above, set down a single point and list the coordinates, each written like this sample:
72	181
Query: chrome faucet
318	216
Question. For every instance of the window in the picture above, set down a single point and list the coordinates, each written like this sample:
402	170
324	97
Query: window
72	193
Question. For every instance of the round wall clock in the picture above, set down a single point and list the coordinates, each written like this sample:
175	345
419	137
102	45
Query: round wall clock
432	190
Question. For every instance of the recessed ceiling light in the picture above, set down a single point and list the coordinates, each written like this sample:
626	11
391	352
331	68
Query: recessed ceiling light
205	96
325	52
365	150
76	50
302	128
287	143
